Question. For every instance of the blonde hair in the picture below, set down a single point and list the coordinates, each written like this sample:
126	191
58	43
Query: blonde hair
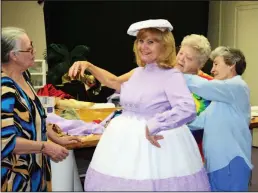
167	59
200	44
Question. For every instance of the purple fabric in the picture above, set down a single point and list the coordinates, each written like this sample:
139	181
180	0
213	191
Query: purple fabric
161	94
75	127
96	181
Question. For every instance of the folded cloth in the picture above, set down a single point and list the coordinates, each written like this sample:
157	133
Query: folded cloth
75	127
70	113
50	90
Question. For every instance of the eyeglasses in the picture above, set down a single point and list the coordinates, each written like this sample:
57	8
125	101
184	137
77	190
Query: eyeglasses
31	50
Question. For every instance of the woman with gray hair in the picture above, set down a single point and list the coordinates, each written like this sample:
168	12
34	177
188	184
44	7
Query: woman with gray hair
25	151
193	54
227	138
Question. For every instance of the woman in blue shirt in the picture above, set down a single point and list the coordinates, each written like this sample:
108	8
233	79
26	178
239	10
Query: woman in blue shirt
227	139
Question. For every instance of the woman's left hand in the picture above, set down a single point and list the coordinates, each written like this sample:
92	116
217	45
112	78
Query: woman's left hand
153	138
66	140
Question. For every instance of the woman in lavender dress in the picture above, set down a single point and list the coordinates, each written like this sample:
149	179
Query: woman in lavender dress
148	147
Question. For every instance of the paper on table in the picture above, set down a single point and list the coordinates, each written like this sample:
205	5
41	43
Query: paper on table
102	105
254	114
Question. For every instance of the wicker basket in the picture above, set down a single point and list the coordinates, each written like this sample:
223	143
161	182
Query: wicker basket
89	115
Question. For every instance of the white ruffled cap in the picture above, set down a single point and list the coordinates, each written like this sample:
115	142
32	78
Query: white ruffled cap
160	24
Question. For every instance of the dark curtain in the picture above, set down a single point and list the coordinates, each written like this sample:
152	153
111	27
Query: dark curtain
102	26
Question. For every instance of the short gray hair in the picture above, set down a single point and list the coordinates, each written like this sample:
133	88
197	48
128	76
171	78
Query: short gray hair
9	39
201	44
231	56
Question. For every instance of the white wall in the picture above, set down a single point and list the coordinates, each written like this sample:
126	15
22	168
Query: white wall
235	24
29	16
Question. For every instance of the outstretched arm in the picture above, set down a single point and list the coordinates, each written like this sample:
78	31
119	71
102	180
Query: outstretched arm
108	79
213	90
64	140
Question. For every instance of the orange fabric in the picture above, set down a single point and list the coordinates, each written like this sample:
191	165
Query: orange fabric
204	75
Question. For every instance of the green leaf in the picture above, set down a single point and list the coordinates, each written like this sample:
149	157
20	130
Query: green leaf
79	53
59	60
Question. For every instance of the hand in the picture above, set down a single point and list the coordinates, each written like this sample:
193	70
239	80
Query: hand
153	138
77	67
66	140
56	152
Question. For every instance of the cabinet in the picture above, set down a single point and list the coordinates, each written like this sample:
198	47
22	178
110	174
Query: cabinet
38	74
255	137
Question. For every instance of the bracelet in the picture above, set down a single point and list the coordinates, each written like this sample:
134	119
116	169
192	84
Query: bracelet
42	146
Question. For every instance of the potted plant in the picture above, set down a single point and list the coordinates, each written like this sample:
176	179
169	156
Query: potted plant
59	60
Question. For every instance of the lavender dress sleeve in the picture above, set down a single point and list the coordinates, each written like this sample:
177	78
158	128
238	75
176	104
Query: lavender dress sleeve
182	103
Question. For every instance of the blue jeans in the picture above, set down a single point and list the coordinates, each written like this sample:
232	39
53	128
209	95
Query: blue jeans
234	177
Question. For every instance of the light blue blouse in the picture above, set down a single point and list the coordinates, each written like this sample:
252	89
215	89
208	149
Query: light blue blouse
225	121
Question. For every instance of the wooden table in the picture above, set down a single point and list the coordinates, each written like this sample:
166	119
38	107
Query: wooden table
88	115
254	123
